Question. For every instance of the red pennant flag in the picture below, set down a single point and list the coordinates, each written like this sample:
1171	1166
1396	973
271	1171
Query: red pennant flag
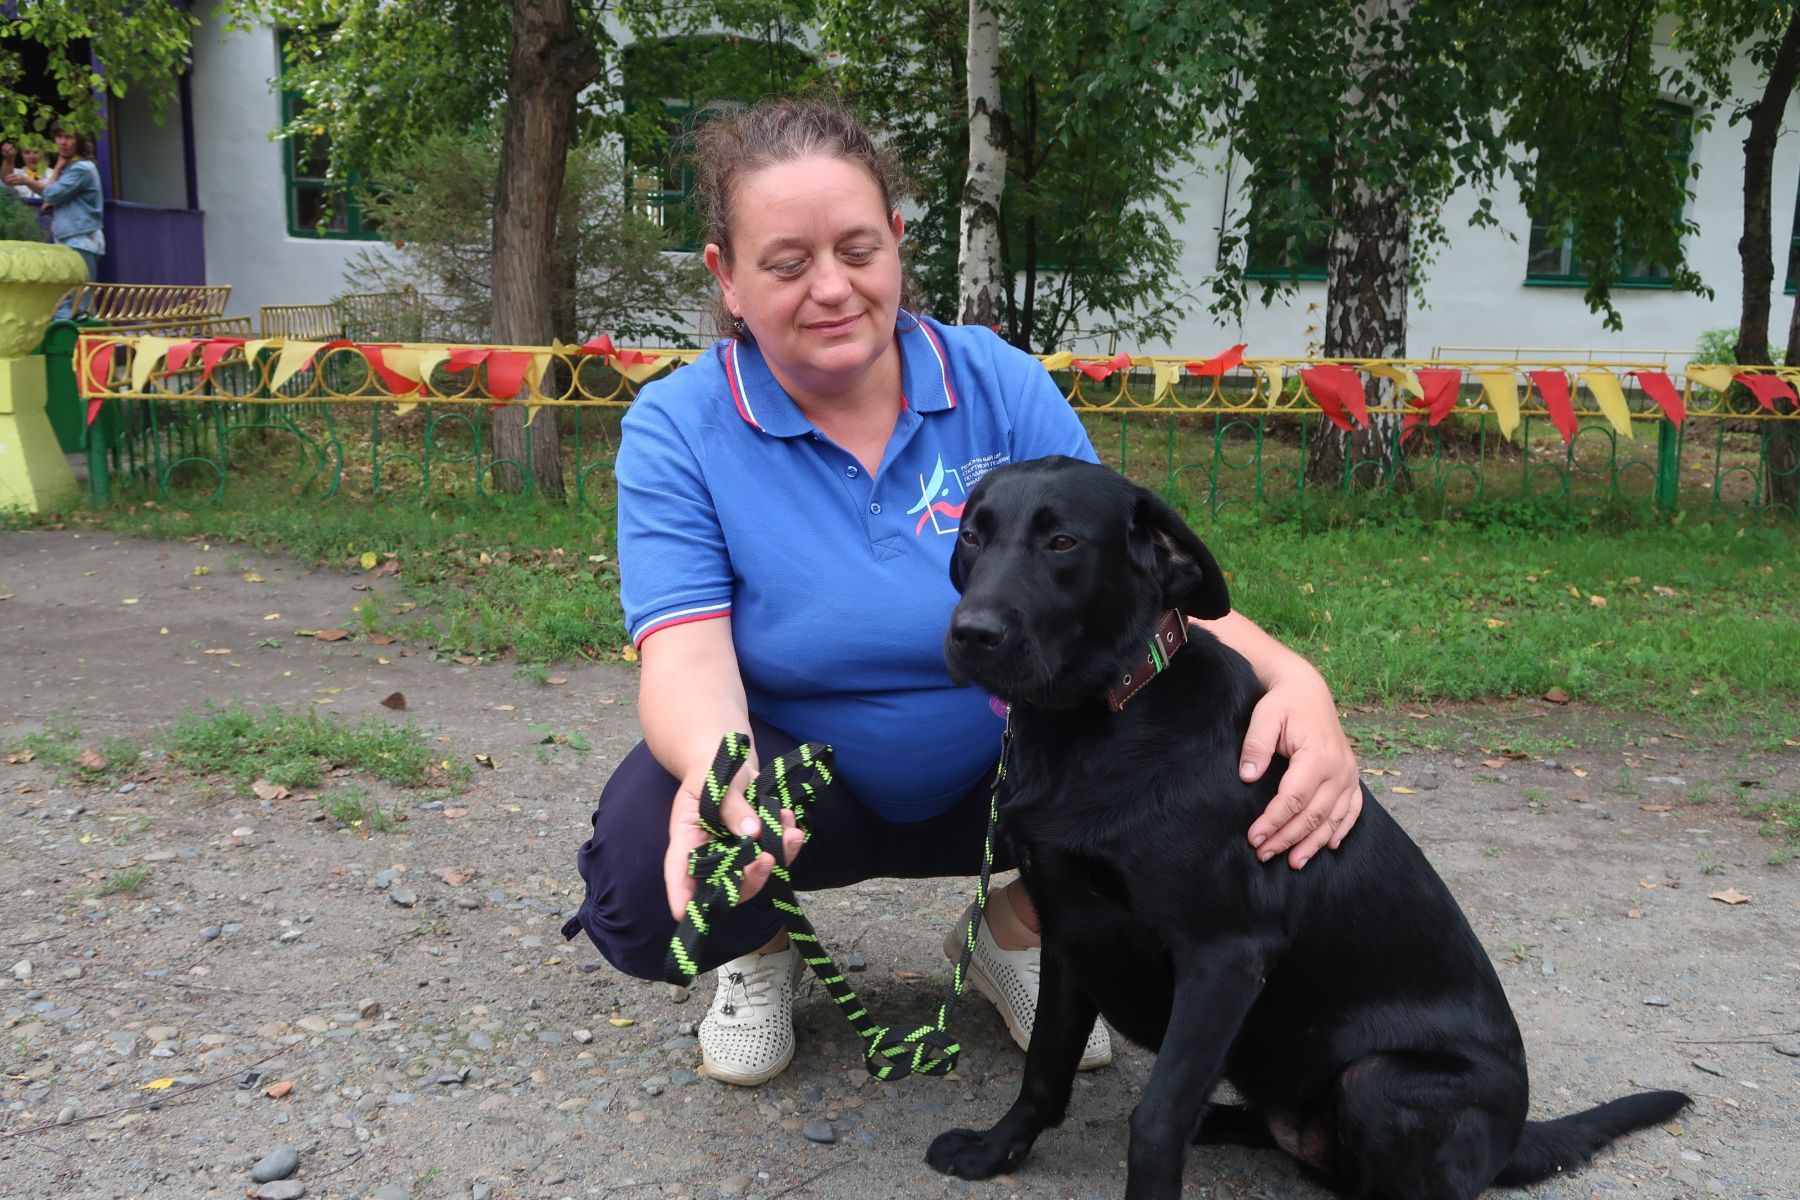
395	382
1099	371
214	349
1553	386
1218	364
1767	389
96	372
505	369
462	360
1662	389
1441	385
178	356
602	345
1324	388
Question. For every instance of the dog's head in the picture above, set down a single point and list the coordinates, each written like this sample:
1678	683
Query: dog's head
1064	568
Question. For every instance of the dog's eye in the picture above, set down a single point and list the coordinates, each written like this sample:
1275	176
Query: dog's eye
1061	542
968	537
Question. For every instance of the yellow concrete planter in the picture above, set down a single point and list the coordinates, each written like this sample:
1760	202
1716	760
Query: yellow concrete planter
34	475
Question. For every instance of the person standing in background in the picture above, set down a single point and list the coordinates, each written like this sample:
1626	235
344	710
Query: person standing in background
72	192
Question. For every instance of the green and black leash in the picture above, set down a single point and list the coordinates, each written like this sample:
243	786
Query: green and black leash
794	781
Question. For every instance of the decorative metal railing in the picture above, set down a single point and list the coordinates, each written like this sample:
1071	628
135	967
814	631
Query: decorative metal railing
148	304
1222	430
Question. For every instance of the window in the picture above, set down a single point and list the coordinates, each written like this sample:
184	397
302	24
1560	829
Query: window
1793	266
316	208
1550	256
660	182
1293	248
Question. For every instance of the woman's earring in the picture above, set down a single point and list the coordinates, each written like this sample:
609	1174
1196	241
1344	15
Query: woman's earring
737	326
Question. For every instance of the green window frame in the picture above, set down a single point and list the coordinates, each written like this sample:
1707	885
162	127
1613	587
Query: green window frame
316	208
660	189
1550	250
1285	258
1793	262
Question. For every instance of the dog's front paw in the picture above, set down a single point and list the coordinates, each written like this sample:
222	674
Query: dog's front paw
967	1154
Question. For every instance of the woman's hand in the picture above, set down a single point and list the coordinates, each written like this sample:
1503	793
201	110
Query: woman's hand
686	834
1320	793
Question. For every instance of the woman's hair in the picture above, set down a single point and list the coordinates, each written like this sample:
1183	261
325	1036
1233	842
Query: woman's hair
84	142
730	144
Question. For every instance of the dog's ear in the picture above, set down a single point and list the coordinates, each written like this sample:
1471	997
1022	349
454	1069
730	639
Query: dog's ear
1166	550
956	575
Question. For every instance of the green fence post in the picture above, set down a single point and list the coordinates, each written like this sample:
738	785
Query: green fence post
1668	465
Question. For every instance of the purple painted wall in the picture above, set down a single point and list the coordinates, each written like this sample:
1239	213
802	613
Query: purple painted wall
147	244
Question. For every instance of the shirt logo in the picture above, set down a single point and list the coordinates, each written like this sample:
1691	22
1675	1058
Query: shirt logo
934	506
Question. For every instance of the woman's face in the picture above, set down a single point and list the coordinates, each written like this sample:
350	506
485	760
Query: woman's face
31	156
65	144
814	270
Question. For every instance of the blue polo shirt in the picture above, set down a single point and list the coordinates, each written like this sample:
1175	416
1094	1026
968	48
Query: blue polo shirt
732	504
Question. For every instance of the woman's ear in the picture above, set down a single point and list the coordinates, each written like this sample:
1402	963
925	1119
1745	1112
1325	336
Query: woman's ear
1165	549
720	266
899	227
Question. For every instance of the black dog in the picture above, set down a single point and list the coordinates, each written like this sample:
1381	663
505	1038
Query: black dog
1350	1003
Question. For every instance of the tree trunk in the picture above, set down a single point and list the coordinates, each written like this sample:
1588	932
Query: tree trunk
1781	440
980	281
1754	247
550	62
1368	256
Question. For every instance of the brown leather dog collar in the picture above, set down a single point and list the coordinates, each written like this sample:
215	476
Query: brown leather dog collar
1169	636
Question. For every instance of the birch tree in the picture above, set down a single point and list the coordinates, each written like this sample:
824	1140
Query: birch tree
980	278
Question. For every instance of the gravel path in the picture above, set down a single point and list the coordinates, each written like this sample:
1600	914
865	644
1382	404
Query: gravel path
394	1015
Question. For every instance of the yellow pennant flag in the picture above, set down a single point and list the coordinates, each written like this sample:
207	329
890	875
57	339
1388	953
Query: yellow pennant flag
1604	387
1712	375
429	361
403	361
540	366
1273	371
1057	362
256	347
1167	372
1502	391
294	356
531	412
1404	376
400	410
147	356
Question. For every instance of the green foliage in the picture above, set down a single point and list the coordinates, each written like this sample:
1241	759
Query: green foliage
352	808
144	45
437	206
1099	132
1720	346
123	881
290	750
19	220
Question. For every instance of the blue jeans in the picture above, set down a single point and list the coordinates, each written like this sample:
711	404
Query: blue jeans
93	269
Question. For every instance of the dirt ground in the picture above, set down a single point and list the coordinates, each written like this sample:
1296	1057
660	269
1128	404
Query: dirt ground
441	1040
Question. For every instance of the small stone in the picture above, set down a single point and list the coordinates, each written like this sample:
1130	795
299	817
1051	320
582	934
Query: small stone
1791	1049
654	1085
125	789
1549	968
855	962
678	994
1601	814
468	902
278	1163
247	1078
391	1191
242	831
480	1041
1657	1001
281	1189
66	1115
734	1185
210	933
819	1131
368	1008
584	1036
314	1023
22	969
291	935
404	897
1710	1067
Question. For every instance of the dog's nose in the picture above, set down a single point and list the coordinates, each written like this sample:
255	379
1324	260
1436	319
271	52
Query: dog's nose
977	630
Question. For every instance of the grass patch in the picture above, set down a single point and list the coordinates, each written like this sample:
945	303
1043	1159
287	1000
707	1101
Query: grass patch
123	881
295	751
352	808
1780	822
60	746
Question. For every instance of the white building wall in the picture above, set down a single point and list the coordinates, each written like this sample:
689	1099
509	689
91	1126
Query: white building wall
152	168
242	186
1475	292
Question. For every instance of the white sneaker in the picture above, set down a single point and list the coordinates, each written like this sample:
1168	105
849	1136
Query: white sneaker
1010	979
747	1036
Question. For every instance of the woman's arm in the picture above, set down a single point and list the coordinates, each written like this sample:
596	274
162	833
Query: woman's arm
1320	794
690	695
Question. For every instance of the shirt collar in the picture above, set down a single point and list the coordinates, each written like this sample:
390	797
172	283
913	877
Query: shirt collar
761	400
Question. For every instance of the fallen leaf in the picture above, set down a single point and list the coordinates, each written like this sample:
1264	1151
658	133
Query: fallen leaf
203	570
1493	762
450	814
129	600
1634	913
311	633
20	756
620	1022
157	1085
456	876
908	976
269	791
332	635
1660	590
1402	791
1597	601
384	661
1643	884
467	660
91	760
381	639
1494	622
218	650
396	700
1578	772
1557	696
486	760
276	1091
503	708
629	653
1729	896
556	680
271	616
369	559
253	577
1379	771
1656	807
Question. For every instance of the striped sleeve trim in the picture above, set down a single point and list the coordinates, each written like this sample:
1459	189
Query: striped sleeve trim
704	612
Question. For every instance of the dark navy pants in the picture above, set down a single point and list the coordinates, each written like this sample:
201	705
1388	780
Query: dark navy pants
626	911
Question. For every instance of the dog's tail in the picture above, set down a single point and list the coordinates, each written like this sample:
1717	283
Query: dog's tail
1548	1147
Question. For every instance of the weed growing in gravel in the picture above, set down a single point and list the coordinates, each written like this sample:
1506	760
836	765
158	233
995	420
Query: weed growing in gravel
123	881
60	745
1780	821
352	808
295	750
